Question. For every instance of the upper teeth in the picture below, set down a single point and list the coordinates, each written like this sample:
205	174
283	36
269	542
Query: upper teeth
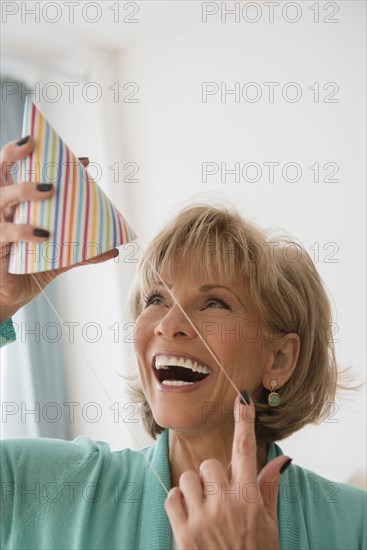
166	361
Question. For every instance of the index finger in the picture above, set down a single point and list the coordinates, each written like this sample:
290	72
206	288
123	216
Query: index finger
10	153
244	448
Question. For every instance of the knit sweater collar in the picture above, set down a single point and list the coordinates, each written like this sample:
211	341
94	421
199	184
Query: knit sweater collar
155	531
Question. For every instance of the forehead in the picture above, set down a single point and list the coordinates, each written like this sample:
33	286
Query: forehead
197	271
208	261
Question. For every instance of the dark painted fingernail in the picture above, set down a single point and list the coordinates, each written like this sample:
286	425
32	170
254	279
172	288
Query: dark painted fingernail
245	398
38	232
44	186
23	141
285	465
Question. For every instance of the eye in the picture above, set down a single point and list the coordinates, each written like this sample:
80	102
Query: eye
151	298
216	302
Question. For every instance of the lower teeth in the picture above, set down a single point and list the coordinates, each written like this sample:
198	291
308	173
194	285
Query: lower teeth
176	383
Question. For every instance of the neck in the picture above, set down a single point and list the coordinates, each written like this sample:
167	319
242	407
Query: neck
187	451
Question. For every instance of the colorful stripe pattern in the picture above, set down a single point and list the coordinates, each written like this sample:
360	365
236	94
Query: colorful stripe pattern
81	219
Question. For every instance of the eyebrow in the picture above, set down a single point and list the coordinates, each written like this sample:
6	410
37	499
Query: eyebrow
205	288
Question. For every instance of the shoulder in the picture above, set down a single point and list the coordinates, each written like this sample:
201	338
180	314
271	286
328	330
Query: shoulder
303	485
43	480
318	512
59	450
315	489
47	458
334	513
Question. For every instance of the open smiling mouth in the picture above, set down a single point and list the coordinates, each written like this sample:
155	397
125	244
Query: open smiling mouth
179	371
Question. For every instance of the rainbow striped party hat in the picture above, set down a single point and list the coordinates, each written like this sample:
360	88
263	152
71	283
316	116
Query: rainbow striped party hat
81	219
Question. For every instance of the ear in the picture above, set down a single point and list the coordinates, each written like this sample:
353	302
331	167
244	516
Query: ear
284	360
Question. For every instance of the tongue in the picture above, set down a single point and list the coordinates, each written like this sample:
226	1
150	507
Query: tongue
180	373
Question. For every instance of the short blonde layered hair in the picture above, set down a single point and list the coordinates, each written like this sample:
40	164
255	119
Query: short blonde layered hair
286	292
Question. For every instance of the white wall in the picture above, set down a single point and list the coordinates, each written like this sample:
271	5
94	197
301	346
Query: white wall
170	132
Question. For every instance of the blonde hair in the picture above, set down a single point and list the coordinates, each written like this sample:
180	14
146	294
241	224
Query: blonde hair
285	289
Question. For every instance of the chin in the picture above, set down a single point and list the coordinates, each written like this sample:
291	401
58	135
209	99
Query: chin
174	421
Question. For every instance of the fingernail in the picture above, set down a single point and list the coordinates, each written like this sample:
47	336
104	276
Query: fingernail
245	398
285	465
38	232
23	141
44	186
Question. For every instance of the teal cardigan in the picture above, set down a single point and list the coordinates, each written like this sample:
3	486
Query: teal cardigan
64	495
58	494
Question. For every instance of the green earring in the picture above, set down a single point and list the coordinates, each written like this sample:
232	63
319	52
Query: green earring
274	397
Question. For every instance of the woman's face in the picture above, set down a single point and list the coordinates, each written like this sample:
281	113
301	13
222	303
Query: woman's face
220	311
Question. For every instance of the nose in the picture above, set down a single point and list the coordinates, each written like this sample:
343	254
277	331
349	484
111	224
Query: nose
174	325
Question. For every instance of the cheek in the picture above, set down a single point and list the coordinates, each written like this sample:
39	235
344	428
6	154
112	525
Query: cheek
143	331
239	349
235	337
143	334
252	334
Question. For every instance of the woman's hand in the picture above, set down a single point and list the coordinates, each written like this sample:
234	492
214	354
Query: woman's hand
211	511
17	290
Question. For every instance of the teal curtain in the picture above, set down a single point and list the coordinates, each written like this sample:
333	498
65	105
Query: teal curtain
34	388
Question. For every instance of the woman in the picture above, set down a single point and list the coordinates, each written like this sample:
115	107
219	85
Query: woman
220	310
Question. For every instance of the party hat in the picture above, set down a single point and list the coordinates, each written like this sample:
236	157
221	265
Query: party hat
81	219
